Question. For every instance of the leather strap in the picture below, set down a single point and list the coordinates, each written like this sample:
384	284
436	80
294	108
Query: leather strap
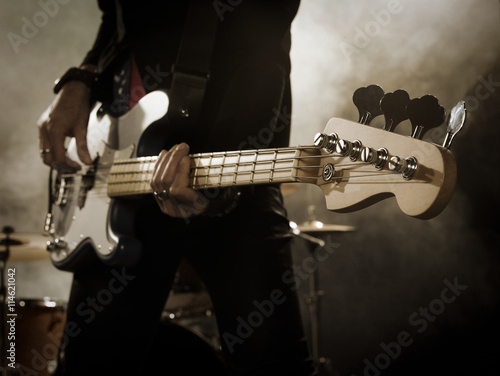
191	72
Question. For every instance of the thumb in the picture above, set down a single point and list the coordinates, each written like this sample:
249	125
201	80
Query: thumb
81	142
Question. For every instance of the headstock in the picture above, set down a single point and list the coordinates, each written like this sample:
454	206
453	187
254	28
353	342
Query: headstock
361	165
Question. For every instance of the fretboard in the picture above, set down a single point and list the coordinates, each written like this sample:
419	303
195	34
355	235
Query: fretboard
219	169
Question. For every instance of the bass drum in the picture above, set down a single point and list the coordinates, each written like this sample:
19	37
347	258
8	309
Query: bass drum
36	334
180	350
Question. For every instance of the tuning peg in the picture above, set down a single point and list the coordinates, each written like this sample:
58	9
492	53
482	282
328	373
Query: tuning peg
367	100
454	122
424	113
393	106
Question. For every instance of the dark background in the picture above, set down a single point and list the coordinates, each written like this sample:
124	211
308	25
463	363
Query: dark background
391	265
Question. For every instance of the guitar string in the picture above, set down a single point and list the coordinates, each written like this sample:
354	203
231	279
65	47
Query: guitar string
224	165
337	179
143	160
104	194
211	174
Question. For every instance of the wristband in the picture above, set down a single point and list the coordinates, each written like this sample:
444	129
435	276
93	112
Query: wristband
76	74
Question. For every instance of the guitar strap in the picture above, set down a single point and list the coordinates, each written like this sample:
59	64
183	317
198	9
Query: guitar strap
191	71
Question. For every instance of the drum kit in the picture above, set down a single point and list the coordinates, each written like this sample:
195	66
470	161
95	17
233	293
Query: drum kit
187	327
31	328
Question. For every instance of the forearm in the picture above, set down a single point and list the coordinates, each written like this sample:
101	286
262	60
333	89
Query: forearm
107	29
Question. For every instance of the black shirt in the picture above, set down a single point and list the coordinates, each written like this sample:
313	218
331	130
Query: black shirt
249	89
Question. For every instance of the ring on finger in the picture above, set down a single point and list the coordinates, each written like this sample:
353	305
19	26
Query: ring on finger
162	196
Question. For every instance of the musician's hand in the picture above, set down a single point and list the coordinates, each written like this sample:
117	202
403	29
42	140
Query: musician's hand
170	182
67	116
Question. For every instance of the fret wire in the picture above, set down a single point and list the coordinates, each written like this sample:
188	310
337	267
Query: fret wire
196	177
254	165
222	169
208	168
273	166
236	168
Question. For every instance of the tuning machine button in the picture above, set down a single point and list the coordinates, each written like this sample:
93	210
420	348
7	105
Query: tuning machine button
454	123
393	106
367	100
424	113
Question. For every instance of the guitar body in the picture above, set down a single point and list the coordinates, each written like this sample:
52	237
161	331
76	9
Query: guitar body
85	222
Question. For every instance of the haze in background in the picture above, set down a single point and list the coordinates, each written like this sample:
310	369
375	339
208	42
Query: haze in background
391	265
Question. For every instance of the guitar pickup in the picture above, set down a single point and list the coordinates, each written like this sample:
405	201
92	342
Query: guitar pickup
87	183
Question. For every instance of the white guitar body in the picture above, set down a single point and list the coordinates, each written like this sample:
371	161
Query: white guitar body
81	225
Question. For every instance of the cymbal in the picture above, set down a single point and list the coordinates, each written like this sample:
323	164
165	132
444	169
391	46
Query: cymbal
317	227
289	188
25	247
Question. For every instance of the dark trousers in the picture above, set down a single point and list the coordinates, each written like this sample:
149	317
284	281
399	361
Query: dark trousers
244	260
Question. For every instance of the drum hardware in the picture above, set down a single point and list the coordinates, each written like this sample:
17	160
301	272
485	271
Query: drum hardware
309	231
25	247
190	306
39	331
39	323
4	255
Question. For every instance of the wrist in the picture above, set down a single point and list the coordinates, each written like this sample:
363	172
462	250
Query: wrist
86	75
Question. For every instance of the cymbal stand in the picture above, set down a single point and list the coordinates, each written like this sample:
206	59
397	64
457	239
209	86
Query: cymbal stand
312	299
4	255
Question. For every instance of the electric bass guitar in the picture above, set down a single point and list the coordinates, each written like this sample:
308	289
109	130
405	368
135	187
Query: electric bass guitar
355	165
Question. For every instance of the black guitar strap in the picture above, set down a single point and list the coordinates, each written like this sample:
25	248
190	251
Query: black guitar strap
191	72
